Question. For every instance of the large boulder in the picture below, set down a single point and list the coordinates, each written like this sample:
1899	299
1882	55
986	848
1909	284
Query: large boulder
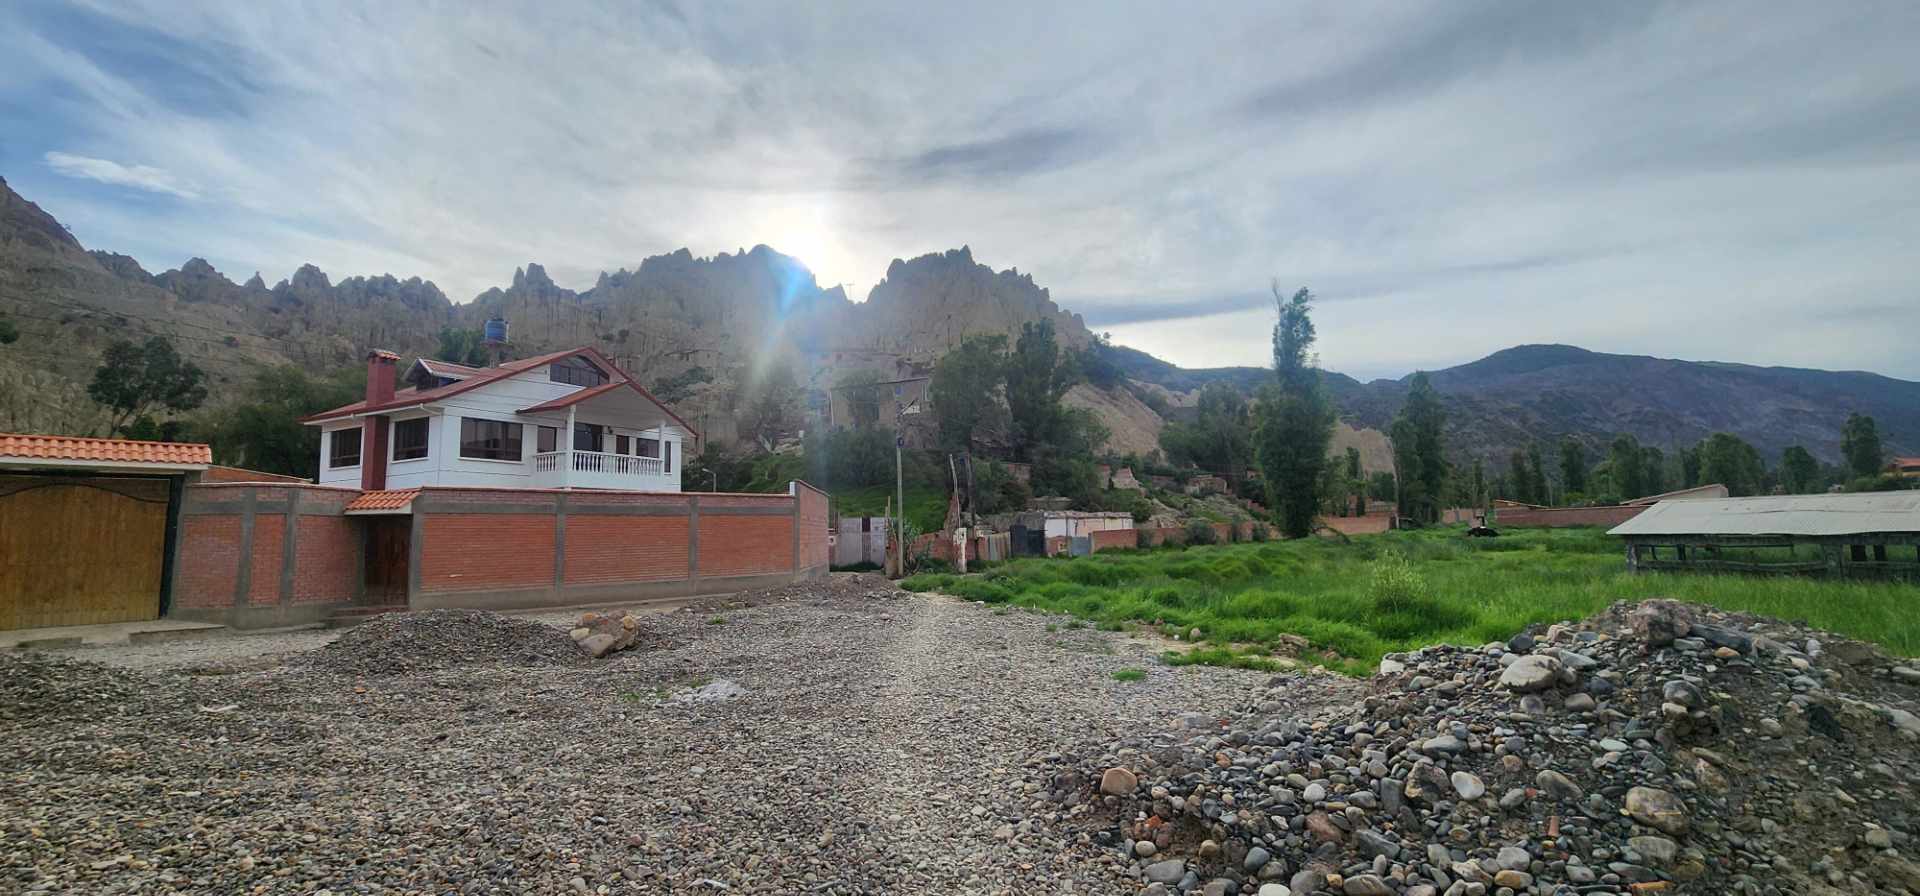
1533	672
1658	622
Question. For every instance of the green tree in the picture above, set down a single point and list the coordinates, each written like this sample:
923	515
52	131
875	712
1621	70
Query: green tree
1653	470
1799	472
1690	467
1035	381
1423	484
133	381
262	431
459	346
1480	495
1626	461
1380	486
1220	440
1521	478
965	389
1537	468
772	411
1727	459
860	389
679	387
1860	445
1294	418
1573	465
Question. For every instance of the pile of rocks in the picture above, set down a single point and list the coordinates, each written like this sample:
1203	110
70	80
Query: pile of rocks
403	643
1658	747
599	634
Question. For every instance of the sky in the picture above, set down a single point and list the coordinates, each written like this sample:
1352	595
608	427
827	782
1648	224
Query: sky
1701	180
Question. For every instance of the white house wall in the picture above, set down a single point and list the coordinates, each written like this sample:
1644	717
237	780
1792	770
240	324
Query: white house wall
500	400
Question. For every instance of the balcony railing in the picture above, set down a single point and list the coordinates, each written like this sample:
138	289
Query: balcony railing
597	462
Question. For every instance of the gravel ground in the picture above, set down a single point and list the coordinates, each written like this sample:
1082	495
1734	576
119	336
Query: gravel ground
886	743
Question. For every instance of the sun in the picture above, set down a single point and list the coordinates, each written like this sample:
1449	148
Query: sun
805	231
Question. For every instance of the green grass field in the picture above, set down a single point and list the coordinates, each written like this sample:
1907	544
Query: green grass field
926	506
1402	590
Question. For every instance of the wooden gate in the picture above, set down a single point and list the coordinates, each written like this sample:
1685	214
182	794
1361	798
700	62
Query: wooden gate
80	550
389	544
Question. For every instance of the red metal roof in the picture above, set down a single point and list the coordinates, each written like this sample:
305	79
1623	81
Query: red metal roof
390	500
106	451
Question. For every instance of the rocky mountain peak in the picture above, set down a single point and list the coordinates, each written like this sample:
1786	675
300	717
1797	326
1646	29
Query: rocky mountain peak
310	277
23	222
255	282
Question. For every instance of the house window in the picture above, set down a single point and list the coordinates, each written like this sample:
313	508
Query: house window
577	371
649	447
410	439
344	449
621	445
588	437
489	439
549	440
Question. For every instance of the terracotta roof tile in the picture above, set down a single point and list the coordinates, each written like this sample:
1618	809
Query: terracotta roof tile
391	499
119	451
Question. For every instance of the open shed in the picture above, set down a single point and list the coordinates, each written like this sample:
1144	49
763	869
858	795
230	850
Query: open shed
1872	535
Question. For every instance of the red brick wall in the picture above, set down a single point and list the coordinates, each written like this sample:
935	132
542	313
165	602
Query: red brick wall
269	530
1565	516
486	551
602	549
744	545
326	546
814	551
1111	539
209	561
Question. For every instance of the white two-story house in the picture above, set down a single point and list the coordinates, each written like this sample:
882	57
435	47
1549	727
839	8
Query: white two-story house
570	419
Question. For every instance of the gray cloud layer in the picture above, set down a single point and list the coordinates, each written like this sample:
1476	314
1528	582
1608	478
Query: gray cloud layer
1696	179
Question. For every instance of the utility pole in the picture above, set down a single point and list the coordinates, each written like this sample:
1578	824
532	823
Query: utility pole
900	502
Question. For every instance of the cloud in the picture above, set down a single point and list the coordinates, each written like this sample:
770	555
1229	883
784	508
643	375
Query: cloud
1450	178
139	177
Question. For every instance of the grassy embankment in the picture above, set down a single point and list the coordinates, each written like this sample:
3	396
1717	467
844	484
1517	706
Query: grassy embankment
1402	590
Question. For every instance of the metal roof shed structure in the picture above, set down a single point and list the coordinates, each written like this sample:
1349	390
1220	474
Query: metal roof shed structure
1870	535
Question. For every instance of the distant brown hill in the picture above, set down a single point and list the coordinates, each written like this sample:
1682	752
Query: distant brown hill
734	312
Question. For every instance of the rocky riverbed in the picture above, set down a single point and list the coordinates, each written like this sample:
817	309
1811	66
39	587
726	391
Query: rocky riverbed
1658	748
829	737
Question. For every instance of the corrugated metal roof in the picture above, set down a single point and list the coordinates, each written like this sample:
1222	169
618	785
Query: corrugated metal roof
1780	515
113	452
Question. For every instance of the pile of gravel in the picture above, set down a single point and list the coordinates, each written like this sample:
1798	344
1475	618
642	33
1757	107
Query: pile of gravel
35	688
1658	747
403	643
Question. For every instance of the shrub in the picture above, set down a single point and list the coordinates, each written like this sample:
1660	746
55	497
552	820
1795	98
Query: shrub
1143	538
1261	532
1201	532
1089	572
926	582
983	591
1393	584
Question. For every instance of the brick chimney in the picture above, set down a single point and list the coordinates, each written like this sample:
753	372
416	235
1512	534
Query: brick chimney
382	368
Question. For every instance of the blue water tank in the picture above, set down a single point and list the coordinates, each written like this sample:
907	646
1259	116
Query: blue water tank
494	331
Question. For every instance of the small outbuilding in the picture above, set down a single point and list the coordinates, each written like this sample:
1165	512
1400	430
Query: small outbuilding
1870	535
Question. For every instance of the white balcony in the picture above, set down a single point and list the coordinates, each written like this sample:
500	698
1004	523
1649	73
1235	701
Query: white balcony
599	469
